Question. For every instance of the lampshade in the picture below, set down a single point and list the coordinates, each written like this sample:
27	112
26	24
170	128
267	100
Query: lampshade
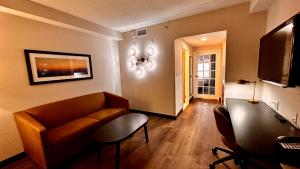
252	100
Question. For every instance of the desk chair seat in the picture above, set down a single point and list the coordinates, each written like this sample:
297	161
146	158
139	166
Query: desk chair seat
224	126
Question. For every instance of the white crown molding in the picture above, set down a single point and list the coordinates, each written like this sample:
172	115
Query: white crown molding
260	5
37	12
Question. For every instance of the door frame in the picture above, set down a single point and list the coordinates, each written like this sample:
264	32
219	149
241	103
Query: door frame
191	70
184	54
217	79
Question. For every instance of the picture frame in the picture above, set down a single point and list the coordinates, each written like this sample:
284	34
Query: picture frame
45	67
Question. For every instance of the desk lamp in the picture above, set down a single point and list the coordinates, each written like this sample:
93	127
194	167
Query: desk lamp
241	81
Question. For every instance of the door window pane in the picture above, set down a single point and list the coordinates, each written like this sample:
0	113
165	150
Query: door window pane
200	83
213	74
213	66
206	66
213	58
212	90
205	90
200	90
201	58
206	58
200	66
206	74
206	82
212	82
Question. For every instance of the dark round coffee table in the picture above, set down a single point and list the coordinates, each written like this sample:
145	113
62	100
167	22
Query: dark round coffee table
119	129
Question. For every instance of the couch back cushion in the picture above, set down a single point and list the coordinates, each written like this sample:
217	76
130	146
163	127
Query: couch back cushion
57	113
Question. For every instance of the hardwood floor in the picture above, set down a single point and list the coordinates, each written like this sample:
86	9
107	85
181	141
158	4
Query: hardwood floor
184	143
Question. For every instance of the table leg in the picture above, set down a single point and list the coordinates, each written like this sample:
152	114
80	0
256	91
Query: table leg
117	155
146	132
99	149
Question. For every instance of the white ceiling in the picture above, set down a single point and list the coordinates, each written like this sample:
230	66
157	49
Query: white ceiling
125	15
214	38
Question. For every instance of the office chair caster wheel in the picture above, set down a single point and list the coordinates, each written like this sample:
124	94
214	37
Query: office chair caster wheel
236	161
211	166
244	164
214	151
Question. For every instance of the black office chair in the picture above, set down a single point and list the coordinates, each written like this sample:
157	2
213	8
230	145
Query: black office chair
225	128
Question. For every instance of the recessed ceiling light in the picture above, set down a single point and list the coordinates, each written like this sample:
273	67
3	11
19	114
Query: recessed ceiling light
203	39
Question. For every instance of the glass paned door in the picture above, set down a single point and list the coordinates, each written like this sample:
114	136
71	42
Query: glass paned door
206	75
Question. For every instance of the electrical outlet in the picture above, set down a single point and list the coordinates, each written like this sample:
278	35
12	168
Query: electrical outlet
295	121
274	105
295	118
298	121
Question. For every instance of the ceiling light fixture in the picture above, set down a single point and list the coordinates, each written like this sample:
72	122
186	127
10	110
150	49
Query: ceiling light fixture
203	39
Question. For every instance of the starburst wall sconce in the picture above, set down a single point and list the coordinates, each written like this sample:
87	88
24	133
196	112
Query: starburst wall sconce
141	61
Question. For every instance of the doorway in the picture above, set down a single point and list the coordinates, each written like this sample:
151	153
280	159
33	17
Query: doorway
199	68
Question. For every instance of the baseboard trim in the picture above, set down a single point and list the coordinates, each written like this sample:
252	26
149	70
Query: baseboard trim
12	159
154	114
191	99
179	113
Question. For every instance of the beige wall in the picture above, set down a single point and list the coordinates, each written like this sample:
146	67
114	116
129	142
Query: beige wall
156	91
280	11
15	92
32	10
288	98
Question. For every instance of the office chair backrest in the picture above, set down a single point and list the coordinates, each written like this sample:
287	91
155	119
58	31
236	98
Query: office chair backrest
224	125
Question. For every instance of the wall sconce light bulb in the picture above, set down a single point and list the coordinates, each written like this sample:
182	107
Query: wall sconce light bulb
131	64
139	71
149	64
150	51
132	52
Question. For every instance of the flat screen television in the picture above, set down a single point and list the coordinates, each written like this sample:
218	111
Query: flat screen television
279	54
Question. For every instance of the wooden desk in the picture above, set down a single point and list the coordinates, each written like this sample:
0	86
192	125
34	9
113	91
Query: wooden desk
256	128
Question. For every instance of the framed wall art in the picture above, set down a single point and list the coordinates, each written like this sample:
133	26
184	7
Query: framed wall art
50	67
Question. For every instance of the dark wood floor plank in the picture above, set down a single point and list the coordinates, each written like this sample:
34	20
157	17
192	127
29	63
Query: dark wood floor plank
184	143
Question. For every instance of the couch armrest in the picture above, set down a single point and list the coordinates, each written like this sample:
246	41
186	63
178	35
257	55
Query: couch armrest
113	100
33	135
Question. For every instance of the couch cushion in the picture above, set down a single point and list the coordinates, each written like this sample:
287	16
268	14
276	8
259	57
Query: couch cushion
71	130
58	113
107	114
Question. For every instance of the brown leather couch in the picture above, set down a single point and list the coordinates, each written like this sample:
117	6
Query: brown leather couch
54	132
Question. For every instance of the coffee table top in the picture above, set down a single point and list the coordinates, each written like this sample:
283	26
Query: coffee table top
120	128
